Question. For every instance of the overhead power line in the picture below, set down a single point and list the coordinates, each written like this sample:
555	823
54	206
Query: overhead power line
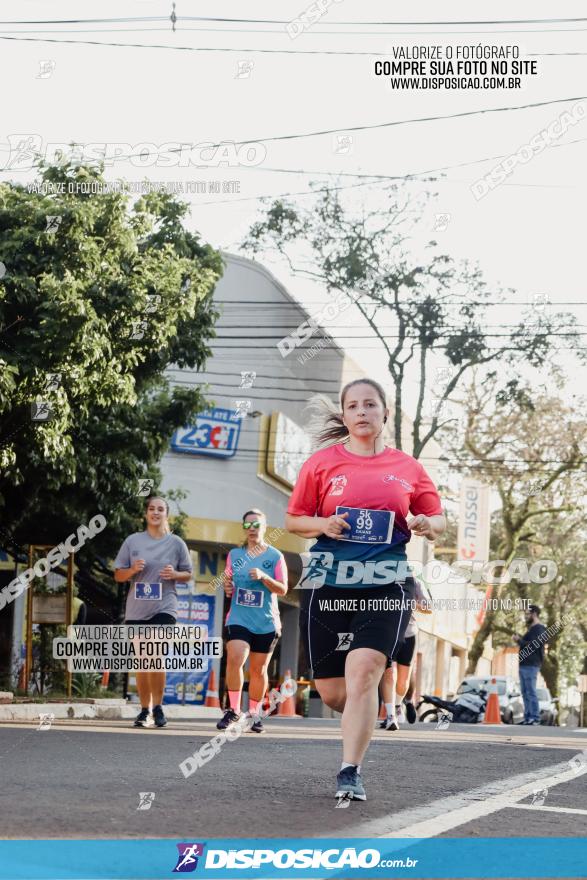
372	53
317	303
287	21
238	337
316	31
255	347
447	330
503	463
140	18
394	23
369	127
556	54
193	48
398	122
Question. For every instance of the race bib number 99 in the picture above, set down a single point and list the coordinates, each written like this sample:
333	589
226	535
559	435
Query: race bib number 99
367	526
147	591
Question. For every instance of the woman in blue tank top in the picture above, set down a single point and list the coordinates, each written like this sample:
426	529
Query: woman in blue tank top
255	575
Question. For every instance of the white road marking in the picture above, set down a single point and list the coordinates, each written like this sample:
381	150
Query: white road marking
428	738
548	809
440	816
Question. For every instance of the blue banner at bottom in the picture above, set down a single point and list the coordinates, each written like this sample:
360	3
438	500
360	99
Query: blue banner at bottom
493	857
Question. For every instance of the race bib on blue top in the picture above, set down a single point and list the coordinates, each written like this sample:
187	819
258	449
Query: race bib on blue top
147	591
249	598
367	526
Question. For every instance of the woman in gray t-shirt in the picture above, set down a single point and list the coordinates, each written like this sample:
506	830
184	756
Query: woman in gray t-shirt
154	561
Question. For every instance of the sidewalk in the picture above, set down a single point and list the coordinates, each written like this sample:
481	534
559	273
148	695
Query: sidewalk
101	709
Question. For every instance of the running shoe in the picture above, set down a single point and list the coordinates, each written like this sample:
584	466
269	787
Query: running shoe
410	712
159	716
399	715
229	717
389	723
142	718
257	726
349	784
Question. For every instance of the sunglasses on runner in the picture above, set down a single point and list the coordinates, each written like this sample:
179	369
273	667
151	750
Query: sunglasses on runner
255	524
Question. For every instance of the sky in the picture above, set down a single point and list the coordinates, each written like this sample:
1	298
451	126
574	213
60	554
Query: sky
526	234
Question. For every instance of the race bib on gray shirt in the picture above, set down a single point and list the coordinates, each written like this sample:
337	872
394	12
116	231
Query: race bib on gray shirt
157	553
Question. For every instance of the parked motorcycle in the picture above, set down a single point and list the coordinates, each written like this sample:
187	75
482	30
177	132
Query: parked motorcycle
468	708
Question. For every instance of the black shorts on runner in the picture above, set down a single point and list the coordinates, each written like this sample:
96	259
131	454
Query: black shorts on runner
337	620
156	619
260	643
404	653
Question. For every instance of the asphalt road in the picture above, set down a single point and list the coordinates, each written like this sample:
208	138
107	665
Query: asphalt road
84	779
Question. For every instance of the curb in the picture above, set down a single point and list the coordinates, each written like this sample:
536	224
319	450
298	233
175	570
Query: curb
101	710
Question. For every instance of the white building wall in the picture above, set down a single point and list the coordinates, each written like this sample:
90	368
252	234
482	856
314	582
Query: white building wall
222	489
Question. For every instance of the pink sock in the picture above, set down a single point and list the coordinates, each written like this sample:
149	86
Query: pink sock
253	706
234	698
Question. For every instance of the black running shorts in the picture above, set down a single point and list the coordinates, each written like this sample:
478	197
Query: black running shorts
404	653
337	620
260	643
160	619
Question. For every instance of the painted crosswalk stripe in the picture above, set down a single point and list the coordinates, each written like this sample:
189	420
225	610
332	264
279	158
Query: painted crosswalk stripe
546	809
443	815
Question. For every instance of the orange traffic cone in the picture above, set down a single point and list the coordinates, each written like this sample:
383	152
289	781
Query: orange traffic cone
287	709
212	692
105	679
492	713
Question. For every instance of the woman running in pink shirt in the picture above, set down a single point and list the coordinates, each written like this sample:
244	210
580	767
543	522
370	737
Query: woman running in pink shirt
355	497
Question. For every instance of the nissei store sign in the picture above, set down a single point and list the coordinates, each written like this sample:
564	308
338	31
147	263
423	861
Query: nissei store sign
216	432
473	526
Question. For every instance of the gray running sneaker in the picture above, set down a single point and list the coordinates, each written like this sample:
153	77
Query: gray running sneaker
349	784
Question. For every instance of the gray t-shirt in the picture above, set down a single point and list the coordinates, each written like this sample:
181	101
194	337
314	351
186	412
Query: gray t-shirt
157	553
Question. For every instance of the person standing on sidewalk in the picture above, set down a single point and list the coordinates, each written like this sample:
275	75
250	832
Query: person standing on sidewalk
530	660
154	561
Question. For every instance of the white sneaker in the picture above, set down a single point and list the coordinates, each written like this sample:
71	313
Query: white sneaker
399	715
390	723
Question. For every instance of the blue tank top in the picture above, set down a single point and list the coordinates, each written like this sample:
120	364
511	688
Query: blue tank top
253	605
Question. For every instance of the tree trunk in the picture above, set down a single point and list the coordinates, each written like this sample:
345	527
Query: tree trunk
583	710
486	628
550	672
479	640
397	419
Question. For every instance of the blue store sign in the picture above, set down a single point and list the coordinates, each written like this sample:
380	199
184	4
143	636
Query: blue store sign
216	432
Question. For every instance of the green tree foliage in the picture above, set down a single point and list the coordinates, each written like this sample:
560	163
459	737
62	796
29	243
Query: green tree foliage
106	297
531	447
420	308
